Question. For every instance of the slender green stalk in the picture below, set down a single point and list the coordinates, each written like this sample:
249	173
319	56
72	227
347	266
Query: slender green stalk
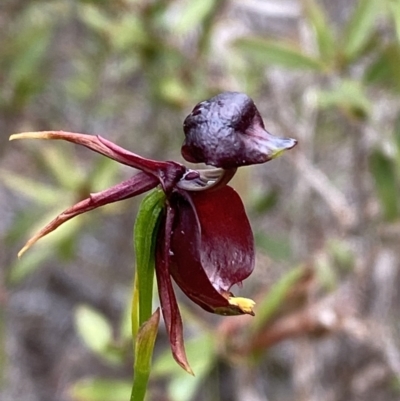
144	324
144	239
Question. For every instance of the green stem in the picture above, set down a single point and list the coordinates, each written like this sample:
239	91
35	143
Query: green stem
145	324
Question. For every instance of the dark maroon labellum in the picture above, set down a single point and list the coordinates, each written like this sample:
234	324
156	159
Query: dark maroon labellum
212	246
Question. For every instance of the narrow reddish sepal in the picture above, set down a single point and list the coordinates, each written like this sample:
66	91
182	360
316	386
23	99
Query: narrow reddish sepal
169	306
135	185
167	172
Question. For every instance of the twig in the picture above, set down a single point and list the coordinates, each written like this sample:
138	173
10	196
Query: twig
320	183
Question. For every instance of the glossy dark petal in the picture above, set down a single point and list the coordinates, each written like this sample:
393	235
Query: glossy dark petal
212	246
169	306
227	131
135	185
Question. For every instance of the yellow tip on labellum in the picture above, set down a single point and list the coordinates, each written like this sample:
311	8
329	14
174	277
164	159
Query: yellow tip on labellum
277	153
246	305
237	306
32	135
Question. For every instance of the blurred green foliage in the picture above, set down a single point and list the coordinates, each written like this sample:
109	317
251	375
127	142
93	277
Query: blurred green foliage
100	390
201	352
71	184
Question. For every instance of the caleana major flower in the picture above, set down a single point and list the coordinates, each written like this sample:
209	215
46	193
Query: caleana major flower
204	240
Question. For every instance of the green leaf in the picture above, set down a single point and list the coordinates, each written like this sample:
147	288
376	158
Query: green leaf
93	17
341	254
192	15
96	332
383	170
349	96
28	264
266	201
270	305
144	346
326	272
129	31
32	45
385	68
323	32
173	91
100	390
49	245
145	232
360	27
94	328
40	193
181	386
394	7
277	247
278	54
24	219
103	173
62	166
396	135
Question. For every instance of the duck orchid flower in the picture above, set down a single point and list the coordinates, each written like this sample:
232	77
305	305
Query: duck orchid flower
204	239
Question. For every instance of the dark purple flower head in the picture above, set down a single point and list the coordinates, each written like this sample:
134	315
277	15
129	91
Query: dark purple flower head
204	241
227	131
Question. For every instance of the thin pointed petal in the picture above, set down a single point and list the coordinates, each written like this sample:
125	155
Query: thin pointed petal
135	185
165	171
133	159
97	144
169	306
169	173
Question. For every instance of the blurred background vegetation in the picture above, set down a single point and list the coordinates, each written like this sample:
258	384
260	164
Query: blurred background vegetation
326	216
